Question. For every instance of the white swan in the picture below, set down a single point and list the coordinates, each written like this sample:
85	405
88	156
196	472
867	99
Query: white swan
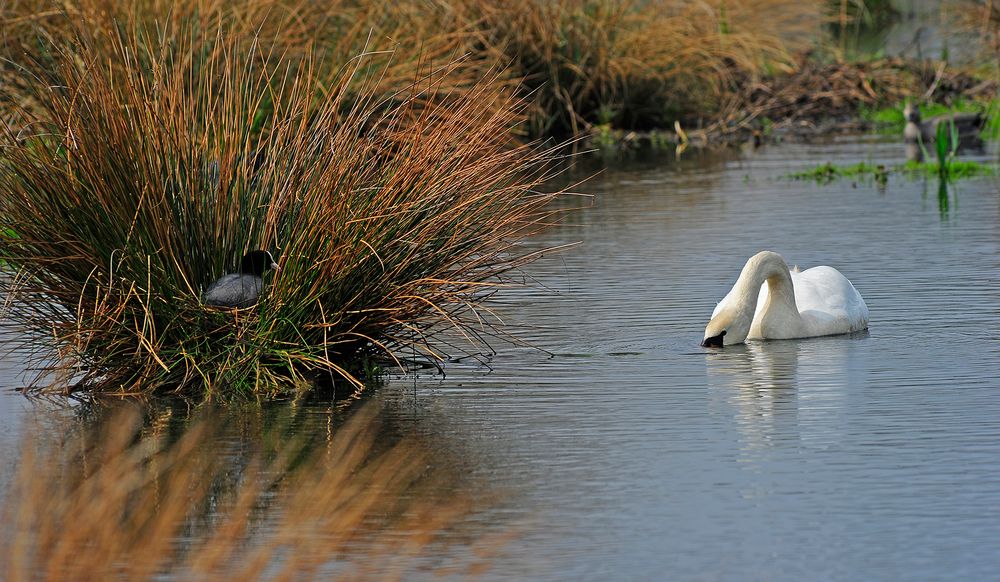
817	301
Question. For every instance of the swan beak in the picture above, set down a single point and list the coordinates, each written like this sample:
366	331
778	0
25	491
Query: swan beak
713	342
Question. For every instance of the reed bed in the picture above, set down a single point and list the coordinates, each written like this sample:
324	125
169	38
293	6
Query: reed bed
147	165
626	64
640	64
129	501
398	40
633	64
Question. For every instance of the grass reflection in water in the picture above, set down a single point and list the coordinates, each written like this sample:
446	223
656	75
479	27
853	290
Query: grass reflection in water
134	503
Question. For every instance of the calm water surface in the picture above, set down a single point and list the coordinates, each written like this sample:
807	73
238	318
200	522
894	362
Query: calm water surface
626	451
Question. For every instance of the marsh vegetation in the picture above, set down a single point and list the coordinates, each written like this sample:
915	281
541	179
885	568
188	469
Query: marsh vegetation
385	155
146	166
405	164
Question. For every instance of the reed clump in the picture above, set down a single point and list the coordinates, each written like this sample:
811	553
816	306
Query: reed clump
398	40
124	501
146	165
584	66
641	65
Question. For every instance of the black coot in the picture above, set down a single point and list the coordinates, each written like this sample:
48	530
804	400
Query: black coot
243	288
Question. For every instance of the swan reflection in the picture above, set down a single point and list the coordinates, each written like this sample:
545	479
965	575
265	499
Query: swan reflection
784	390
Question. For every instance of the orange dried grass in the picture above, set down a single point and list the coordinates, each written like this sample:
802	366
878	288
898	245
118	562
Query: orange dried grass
125	502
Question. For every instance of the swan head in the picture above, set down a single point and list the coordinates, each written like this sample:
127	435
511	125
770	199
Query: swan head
728	327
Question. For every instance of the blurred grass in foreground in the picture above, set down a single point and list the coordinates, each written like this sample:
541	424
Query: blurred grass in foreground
127	502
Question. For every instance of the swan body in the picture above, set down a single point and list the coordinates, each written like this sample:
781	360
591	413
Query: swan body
815	302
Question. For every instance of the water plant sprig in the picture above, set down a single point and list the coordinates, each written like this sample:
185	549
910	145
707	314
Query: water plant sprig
945	147
957	169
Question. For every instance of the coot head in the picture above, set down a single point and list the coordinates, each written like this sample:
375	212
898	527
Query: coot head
257	263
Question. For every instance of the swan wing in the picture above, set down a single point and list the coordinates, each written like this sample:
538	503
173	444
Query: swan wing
828	302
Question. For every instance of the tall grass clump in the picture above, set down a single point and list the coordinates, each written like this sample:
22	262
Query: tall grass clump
122	502
399	39
142	173
641	64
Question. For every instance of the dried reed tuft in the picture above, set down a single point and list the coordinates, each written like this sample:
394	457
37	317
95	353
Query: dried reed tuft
147	165
398	39
638	64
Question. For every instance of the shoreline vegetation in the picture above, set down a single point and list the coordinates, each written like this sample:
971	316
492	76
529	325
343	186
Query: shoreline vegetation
393	159
879	173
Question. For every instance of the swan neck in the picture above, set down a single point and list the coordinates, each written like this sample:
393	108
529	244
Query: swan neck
770	268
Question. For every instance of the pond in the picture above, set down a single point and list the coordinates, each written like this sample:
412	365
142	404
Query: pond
615	447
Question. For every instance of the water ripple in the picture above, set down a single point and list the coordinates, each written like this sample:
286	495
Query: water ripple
864	456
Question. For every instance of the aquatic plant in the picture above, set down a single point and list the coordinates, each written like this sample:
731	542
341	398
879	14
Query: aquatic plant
829	171
121	500
141	174
956	169
945	147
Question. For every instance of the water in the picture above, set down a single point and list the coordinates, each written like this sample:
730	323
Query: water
626	451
